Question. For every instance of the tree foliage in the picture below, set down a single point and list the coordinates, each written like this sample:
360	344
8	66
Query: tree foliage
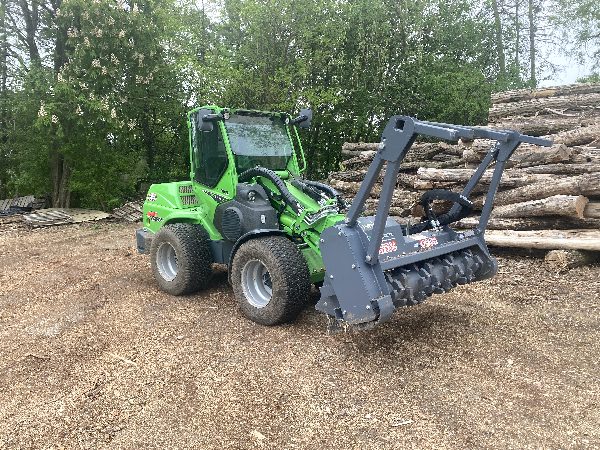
94	93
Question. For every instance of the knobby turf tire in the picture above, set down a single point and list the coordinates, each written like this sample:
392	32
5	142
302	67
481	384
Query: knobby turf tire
288	274
194	258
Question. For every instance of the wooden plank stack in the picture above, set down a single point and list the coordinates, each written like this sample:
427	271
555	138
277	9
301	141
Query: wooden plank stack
543	190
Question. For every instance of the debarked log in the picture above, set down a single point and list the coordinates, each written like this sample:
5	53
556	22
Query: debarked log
557	205
587	185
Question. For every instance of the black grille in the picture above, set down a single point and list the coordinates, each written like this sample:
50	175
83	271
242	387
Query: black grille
232	224
189	200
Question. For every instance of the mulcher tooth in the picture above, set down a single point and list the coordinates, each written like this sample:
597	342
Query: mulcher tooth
410	299
445	282
439	276
398	291
428	281
478	264
419	297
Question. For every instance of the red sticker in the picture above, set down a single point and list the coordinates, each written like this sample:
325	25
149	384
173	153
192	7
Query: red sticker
428	243
388	247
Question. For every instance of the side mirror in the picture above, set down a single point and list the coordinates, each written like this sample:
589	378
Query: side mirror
304	119
206	118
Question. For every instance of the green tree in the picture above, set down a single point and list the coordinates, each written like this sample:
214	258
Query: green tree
580	22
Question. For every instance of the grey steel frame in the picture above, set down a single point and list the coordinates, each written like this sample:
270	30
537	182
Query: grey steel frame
397	138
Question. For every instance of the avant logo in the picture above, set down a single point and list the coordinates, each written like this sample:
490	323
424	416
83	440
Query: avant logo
153	217
216	197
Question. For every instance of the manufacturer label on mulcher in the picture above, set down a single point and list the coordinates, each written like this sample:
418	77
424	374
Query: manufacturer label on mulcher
427	243
388	247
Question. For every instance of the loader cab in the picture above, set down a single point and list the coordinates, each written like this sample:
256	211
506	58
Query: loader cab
259	140
226	142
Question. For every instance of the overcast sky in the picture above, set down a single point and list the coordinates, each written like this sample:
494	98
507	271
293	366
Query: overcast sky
570	72
569	68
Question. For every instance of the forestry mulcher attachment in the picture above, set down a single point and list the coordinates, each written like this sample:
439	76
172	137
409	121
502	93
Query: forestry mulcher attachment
248	207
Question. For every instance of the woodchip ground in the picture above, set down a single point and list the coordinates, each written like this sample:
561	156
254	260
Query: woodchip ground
93	355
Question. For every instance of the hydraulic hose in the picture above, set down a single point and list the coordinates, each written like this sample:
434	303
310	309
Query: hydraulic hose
308	190
329	191
258	171
466	206
323	187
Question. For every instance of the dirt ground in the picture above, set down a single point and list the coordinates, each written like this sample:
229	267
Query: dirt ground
93	355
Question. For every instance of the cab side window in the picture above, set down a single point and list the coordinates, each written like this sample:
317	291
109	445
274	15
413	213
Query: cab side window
210	156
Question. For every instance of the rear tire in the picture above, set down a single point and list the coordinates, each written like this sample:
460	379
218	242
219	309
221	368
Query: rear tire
270	280
181	258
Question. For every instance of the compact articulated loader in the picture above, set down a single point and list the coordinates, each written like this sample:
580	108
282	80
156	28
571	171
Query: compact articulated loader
248	207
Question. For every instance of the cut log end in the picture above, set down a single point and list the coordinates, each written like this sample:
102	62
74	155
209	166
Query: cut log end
563	260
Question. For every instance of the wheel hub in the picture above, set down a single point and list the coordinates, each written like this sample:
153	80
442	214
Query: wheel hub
166	261
256	283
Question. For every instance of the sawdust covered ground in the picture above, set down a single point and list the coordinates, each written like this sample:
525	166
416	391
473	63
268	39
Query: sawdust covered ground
93	355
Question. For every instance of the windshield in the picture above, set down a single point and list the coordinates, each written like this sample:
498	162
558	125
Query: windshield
259	141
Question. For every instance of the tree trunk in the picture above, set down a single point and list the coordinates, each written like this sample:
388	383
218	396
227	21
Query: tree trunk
563	260
394	211
525	155
585	155
359	147
532	48
364	154
352	187
499	42
578	136
31	19
532	223
543	125
564	169
61	173
592	210
418	151
535	106
3	100
348	175
545	239
557	205
588	185
512	178
519	95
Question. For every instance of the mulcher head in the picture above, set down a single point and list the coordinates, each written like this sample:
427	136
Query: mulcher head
375	265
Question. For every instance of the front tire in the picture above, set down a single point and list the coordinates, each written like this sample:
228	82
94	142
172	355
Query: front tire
181	258
270	280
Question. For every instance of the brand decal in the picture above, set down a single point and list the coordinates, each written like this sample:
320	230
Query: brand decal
153	217
151	197
388	247
428	243
216	197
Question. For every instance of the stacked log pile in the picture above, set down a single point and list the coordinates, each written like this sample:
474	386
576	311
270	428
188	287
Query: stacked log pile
544	188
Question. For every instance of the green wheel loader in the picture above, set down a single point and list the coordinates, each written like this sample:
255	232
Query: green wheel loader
248	206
